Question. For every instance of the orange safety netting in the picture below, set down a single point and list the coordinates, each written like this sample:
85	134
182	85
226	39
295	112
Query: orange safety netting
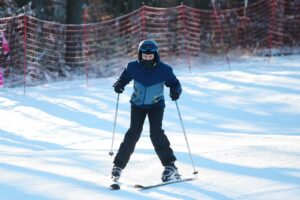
42	51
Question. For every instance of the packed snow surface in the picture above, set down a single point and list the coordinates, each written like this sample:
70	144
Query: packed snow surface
242	123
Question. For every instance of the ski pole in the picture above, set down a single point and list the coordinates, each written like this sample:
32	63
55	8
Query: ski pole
186	140
111	153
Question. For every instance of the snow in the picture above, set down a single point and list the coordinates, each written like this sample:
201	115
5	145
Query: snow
242	125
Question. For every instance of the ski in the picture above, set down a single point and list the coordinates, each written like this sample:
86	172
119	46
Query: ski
145	187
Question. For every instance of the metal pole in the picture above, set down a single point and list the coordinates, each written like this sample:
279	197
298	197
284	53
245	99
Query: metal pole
186	140
111	153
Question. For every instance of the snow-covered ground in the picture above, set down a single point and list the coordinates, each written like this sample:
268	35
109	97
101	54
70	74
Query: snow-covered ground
243	127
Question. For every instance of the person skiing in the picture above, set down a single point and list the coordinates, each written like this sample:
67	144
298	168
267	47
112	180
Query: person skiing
149	75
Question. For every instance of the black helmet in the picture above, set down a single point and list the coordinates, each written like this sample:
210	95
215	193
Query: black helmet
148	47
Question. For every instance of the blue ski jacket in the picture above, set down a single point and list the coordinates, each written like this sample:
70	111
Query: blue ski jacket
148	85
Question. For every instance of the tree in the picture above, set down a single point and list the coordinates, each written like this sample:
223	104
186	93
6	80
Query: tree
75	11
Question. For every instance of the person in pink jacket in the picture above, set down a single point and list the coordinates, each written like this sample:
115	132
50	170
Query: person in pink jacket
4	54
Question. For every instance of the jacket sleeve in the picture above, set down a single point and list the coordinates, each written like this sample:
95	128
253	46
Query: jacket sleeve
125	76
172	82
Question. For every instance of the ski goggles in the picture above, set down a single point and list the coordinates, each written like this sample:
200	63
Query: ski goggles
148	48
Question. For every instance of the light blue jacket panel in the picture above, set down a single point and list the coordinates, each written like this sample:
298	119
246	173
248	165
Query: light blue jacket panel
147	95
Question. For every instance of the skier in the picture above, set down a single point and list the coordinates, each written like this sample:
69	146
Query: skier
149	75
5	52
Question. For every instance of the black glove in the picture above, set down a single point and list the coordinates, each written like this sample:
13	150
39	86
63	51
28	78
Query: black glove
119	87
174	94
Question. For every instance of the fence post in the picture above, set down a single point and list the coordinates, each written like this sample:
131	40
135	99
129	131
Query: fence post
143	22
220	30
25	48
187	50
271	28
85	48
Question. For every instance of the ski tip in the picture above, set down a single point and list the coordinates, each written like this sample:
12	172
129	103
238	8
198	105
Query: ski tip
115	186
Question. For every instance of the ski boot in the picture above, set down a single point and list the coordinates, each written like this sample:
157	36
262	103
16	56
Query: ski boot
170	173
116	173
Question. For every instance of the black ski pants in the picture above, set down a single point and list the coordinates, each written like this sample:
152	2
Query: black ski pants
158	138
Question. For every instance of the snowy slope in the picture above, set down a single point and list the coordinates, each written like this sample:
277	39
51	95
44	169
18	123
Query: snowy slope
243	127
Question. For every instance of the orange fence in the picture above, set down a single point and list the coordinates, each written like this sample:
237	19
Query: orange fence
43	51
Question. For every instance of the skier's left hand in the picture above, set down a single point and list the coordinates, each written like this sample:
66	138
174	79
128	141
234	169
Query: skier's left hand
174	94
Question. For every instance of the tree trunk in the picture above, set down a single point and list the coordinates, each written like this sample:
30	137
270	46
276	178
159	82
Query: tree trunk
74	41
75	11
60	11
43	9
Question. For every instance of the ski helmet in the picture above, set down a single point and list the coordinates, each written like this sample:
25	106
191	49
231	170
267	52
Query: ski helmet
148	47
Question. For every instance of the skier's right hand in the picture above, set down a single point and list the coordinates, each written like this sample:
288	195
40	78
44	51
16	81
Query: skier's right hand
119	87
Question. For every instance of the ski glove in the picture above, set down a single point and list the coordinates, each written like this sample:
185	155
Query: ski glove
119	87
174	94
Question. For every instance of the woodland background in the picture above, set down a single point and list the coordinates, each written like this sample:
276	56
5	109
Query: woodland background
72	11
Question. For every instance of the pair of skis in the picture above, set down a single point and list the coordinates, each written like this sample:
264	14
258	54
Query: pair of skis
116	185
